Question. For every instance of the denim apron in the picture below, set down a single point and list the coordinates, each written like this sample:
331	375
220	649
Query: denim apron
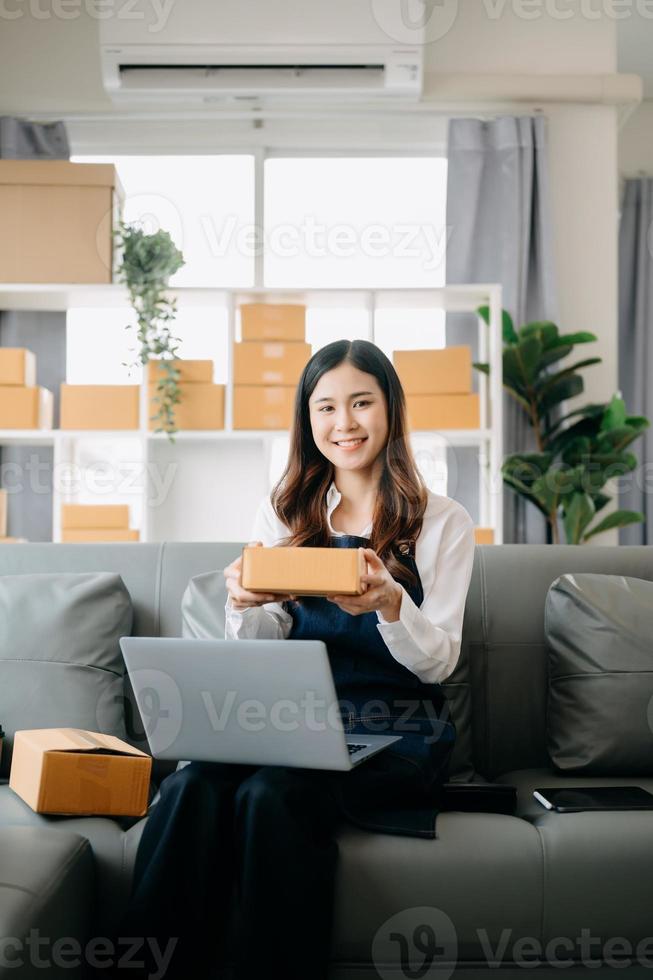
398	790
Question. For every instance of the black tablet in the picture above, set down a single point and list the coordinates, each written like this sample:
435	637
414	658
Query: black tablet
571	799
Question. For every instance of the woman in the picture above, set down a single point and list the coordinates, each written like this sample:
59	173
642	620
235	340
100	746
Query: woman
350	481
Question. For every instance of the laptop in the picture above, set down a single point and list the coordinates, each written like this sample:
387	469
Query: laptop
258	702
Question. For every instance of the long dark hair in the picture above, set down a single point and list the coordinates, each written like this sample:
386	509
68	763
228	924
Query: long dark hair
298	498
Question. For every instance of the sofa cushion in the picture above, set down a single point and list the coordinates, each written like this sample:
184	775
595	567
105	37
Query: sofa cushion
60	662
600	634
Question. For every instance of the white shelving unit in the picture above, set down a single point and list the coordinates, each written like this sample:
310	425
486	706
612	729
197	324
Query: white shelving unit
205	485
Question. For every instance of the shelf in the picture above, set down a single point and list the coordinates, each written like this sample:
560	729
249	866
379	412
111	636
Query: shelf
27	437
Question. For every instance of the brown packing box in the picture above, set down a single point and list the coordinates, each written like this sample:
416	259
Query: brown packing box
190	372
13	540
25	408
447	371
270	362
17	366
272	321
201	407
67	770
99	406
57	221
75	535
443	411
258	407
3	513
304	571
484	535
94	515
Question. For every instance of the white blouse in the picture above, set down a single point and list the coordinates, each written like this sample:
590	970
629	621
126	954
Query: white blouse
426	639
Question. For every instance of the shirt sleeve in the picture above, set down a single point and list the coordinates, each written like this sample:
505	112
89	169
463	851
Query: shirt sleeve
270	621
427	639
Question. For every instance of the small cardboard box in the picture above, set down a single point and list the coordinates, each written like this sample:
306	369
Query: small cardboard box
13	540
447	371
190	372
17	366
94	515
67	770
270	362
99	406
3	513
26	408
75	535
304	571
57	221
272	321
484	535
258	407
201	407
432	412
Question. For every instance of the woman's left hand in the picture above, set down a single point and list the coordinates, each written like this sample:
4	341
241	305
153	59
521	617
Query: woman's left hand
383	593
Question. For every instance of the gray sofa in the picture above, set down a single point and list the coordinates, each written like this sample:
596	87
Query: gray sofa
491	890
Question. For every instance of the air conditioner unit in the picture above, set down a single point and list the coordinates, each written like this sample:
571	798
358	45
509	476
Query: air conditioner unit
201	51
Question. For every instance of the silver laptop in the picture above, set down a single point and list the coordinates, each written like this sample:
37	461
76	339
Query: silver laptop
262	702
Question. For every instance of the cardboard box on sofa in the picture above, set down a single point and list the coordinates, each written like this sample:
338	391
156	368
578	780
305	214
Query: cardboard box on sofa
95	515
270	362
259	407
75	535
99	406
304	571
26	407
57	221
484	535
190	372
272	321
443	411
201	406
446	371
17	366
67	770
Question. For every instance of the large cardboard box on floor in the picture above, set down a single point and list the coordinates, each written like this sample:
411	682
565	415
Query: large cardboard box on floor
17	366
26	408
443	411
190	372
447	371
272	321
304	571
259	407
270	362
68	770
95	515
99	406
77	535
201	407
57	221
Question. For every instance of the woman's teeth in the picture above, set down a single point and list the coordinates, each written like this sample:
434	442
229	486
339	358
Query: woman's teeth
350	442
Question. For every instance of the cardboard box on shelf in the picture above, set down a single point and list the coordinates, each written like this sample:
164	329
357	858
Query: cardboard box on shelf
68	770
270	362
443	411
484	535
25	408
201	406
95	515
17	366
259	407
77	535
99	406
446	371
190	372
272	321
304	571
57	221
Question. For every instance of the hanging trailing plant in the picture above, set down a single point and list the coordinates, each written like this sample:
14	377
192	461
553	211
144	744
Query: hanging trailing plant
147	263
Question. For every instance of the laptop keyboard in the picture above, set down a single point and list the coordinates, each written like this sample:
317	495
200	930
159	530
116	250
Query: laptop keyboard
354	748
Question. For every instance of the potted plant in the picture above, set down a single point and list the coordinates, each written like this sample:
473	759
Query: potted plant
576	454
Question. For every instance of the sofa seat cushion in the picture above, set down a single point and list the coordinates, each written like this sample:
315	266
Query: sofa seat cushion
598	865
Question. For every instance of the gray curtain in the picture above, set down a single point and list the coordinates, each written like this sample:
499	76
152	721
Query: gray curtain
499	227
27	471
636	345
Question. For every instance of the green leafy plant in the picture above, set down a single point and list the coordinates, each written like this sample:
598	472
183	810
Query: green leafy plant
574	460
147	262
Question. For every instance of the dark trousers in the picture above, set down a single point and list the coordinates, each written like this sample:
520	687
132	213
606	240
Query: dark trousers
264	836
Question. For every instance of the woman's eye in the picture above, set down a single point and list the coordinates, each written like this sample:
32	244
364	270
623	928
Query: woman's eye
361	402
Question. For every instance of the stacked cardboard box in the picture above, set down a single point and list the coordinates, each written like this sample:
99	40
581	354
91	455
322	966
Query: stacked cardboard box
3	522
96	522
202	402
23	404
268	364
438	388
99	406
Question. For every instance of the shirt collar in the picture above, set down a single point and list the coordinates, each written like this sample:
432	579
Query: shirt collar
333	498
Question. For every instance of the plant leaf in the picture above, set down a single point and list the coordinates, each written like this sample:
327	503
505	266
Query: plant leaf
618	518
578	512
508	332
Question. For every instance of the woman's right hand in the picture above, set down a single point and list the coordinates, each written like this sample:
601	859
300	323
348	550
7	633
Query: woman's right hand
240	597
